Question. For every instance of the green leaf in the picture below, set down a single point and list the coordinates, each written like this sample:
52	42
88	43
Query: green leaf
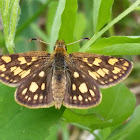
68	21
57	23
103	133
26	20
117	45
101	13
53	133
64	22
115	108
80	28
50	16
130	130
10	11
18	122
109	25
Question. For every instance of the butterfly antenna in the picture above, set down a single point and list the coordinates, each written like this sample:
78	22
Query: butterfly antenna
40	41
78	41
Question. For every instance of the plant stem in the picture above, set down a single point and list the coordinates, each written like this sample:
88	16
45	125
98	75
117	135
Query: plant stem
100	33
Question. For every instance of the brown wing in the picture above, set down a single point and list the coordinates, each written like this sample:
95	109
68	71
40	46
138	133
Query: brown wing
106	71
36	92
82	92
15	68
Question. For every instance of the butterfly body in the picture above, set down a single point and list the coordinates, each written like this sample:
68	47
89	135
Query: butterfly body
59	67
59	78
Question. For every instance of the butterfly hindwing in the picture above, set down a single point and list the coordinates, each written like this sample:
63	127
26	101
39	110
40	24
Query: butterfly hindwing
106	71
36	92
15	68
82	92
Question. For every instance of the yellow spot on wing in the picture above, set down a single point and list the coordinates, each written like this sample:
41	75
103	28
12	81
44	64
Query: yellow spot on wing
76	74
89	64
80	97
73	87
15	81
85	60
74	97
102	73
95	73
94	87
105	70
116	70
29	63
22	60
33	87
37	65
83	88
24	91
115	77
43	86
92	75
89	98
120	74
34	59
124	68
92	93
2	67
102	82
97	61
7	59
41	74
83	76
35	97
26	97
110	80
25	73
112	61
7	78
2	75
126	63
13	68
41	97
17	71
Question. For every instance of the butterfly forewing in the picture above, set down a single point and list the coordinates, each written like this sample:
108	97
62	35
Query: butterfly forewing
106	71
15	68
36	92
82	91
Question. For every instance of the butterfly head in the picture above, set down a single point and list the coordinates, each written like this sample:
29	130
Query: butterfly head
60	46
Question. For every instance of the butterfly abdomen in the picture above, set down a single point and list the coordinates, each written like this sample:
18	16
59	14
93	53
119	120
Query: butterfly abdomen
58	79
58	88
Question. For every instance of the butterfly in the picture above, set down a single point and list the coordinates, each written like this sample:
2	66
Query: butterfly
73	80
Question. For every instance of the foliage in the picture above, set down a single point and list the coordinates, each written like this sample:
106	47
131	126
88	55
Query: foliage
64	21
